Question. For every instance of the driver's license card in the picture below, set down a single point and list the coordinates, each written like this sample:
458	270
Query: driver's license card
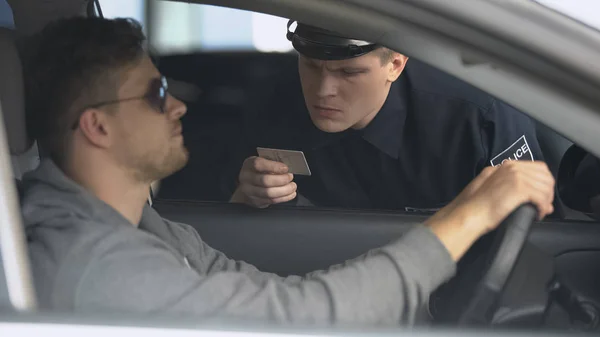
295	160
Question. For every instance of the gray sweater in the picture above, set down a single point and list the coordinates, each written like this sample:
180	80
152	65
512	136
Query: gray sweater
86	257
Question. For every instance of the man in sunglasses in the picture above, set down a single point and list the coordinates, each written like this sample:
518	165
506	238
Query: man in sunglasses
102	112
381	131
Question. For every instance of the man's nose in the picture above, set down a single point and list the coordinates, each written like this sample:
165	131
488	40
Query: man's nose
176	108
327	86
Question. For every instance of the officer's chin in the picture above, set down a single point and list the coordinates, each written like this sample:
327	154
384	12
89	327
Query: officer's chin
329	125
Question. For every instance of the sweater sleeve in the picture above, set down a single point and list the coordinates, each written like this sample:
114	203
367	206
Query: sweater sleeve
386	285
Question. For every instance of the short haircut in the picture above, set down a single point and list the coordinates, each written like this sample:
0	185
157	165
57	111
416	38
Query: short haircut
71	64
385	54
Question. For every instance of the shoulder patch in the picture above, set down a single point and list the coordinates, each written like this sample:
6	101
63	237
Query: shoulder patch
519	150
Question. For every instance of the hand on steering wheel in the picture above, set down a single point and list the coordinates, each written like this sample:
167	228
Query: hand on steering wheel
500	261
471	298
508	198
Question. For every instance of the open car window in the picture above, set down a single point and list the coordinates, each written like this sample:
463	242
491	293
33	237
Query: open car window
251	96
244	74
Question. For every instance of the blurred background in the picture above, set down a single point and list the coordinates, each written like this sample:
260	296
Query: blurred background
180	27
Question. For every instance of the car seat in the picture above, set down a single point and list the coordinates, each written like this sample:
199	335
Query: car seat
16	286
23	150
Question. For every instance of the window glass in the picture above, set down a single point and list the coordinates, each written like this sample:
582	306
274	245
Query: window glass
585	11
130	9
184	27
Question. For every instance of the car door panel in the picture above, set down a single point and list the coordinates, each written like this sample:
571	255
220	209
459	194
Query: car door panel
288	240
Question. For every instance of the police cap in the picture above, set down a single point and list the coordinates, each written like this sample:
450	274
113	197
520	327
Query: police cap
323	44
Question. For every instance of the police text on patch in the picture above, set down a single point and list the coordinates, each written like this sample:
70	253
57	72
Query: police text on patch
519	150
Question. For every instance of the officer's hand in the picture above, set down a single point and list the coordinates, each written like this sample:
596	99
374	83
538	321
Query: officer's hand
489	199
263	182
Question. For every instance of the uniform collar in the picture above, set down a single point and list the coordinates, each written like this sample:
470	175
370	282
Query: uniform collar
386	129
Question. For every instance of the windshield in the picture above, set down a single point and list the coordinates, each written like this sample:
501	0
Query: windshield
585	11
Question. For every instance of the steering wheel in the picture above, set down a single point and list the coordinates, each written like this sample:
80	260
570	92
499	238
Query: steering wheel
471	297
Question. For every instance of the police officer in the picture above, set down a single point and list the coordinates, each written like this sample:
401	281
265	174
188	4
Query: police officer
381	131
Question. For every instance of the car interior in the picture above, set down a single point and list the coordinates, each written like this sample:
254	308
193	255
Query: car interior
553	282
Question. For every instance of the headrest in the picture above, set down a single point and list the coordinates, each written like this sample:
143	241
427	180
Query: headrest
12	100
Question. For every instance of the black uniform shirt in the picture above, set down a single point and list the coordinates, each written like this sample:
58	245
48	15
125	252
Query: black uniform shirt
433	135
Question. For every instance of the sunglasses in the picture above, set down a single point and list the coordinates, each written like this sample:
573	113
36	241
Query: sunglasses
156	98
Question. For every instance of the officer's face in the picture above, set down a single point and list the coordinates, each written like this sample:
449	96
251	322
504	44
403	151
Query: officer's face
347	94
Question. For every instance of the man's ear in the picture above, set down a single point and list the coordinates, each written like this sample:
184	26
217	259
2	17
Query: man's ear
94	125
398	62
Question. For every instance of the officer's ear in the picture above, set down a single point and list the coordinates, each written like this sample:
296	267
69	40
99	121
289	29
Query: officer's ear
396	66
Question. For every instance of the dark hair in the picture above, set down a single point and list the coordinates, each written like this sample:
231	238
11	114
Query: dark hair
70	64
